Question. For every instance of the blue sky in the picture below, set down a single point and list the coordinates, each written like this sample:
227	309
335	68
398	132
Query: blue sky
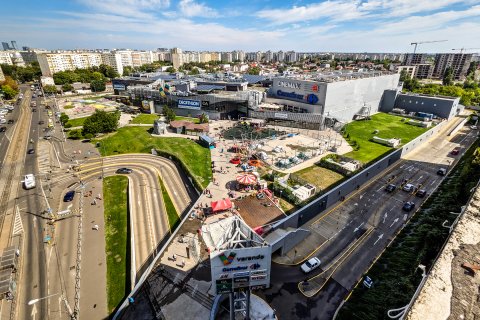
335	25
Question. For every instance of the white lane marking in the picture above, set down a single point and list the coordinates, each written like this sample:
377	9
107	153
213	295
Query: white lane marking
379	237
394	221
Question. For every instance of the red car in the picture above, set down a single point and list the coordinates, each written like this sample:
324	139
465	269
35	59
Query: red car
455	151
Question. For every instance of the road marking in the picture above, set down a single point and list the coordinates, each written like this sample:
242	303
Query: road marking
34	311
357	228
405	216
17	226
394	221
433	182
385	217
379	237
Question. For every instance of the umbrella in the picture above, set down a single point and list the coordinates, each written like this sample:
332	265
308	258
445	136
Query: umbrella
247	179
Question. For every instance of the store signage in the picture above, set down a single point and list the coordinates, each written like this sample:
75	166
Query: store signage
206	104
260	287
119	86
239	268
256	278
227	260
258	272
288	84
224	286
188	104
311	98
241	282
315	87
257	257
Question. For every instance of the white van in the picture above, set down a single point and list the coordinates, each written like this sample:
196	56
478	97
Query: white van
29	181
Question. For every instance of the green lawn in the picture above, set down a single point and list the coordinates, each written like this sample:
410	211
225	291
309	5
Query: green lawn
194	120
78	122
145	119
320	177
389	126
195	158
115	213
68	107
173	218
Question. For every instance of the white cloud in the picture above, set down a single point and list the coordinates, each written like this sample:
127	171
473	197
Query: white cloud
337	10
128	8
398	8
190	8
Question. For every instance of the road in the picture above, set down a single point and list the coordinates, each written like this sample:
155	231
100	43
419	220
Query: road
147	209
372	212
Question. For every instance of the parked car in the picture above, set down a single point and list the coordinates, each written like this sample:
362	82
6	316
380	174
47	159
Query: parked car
41	122
3	129
442	171
10	121
455	151
310	265
390	188
408	187
421	193
69	196
408	206
124	170
31	151
473	127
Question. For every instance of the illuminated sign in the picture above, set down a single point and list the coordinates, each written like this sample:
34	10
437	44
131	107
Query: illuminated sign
189	104
288	84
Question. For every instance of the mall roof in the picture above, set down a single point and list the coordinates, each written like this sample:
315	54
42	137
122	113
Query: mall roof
252	78
209	87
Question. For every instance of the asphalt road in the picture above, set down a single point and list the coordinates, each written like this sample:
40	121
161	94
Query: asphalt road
371	208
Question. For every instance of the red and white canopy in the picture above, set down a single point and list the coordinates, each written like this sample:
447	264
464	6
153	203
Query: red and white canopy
247	179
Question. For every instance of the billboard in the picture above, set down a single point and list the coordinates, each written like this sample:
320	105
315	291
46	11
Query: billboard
147	106
118	86
234	269
188	104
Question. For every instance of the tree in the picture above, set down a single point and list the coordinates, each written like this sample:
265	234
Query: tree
97	85
127	70
100	122
67	87
108	71
171	70
8	92
49	89
75	134
194	71
404	76
254	70
448	77
169	113
203	118
64	119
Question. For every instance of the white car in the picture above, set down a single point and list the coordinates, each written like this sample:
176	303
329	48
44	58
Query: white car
3	121
408	187
473	127
310	265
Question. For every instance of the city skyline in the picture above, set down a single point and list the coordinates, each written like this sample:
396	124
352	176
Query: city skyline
303	26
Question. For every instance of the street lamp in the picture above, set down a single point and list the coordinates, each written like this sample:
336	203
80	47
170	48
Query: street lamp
33	301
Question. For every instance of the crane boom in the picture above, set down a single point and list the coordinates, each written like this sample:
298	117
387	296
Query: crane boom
463	49
420	42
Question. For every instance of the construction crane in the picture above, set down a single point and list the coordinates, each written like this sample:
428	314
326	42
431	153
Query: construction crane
463	49
420	42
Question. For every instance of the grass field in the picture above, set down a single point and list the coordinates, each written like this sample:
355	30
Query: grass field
68	107
145	119
389	126
319	176
78	122
137	140
115	213
194	120
173	218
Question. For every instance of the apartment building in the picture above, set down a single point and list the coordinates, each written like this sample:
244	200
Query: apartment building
51	63
2	76
114	60
459	62
5	58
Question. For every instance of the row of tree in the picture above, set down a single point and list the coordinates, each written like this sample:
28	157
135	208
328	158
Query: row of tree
99	122
31	72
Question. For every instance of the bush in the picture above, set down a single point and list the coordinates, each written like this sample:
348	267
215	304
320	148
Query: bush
75	134
67	125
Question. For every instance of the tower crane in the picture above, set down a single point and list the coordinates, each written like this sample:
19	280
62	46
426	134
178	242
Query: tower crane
420	42
463	49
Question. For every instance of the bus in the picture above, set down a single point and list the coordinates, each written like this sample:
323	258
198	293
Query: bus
29	181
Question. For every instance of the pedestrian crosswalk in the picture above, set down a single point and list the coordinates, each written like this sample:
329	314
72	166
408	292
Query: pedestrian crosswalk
43	156
17	226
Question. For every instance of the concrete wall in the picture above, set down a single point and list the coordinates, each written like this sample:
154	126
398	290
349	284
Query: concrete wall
421	139
439	106
388	102
346	98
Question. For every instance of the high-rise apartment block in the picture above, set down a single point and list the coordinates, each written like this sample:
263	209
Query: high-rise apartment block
459	62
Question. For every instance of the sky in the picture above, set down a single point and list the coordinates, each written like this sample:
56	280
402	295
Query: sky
249	25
